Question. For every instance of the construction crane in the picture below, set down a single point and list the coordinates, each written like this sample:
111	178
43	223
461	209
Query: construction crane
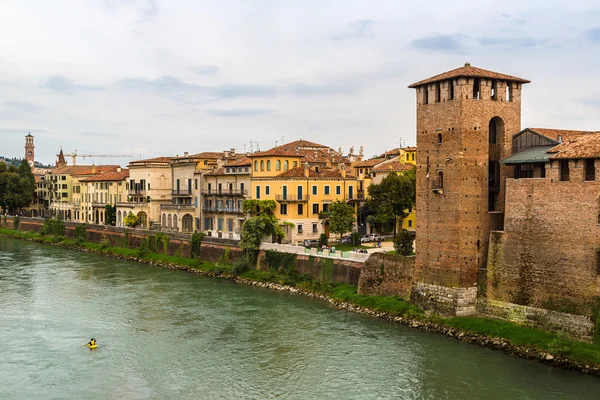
74	156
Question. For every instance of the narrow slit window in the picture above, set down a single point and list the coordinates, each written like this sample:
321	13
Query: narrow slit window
564	170
438	92
439	138
451	89
590	170
494	89
476	88
425	95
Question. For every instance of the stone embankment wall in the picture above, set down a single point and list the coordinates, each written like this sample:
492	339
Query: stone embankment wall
387	275
448	301
320	269
547	255
577	326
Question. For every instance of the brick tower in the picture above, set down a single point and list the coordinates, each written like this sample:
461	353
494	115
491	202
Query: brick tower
465	120
29	149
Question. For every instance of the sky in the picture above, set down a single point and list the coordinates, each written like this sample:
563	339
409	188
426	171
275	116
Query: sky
153	78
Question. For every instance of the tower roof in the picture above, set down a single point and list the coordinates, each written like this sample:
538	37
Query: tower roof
29	135
469	72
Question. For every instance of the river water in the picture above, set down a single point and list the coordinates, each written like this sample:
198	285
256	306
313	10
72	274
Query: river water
172	335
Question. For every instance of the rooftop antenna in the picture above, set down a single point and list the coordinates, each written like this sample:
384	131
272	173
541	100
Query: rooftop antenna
251	147
244	146
281	139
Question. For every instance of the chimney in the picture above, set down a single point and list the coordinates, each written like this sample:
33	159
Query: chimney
119	169
342	168
226	153
232	150
185	153
219	162
306	170
93	168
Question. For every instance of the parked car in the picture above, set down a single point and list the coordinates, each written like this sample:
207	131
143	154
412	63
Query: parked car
310	243
345	240
373	237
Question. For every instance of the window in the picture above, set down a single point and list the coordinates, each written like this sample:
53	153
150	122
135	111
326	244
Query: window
326	189
326	207
230	225
262	165
227	170
564	170
294	164
509	92
410	223
256	165
267	190
338	190
438	92
64	194
268	165
242	187
590	170
278	165
315	208
476	88
439	138
439	183
220	224
425	95
286	165
283	209
300	229
196	184
258	192
314	190
451	89
494	95
246	169
300	209
350	192
315	228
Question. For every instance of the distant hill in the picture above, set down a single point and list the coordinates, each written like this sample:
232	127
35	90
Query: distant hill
17	161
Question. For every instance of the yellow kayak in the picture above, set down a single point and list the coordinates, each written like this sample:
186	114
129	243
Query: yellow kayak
91	347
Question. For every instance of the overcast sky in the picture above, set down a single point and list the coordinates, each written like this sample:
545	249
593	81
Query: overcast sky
160	77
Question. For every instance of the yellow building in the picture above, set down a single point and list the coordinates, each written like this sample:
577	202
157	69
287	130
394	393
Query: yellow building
98	191
304	178
406	155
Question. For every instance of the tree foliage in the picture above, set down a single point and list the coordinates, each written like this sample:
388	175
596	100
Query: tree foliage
131	220
17	187
392	199
403	243
342	218
110	213
261	224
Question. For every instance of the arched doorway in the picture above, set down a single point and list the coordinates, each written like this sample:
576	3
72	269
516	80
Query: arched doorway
327	228
175	222
119	218
142	219
164	221
187	223
97	220
169	222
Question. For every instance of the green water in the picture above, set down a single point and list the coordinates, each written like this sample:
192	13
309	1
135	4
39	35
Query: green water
171	335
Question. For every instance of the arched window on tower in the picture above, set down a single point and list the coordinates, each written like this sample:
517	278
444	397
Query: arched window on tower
438	184
278	165
476	88
439	138
451	89
425	95
268	165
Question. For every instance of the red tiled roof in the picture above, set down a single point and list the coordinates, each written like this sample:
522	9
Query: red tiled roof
471	72
240	162
409	148
582	146
367	163
563	133
83	169
314	152
151	160
393	166
111	176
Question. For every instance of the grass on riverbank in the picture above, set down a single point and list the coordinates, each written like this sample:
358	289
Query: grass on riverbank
518	335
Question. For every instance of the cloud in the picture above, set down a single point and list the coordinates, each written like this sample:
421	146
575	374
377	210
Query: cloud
205	70
358	29
149	11
514	20
23	132
232	91
300	89
239	112
512	43
58	83
594	35
449	43
27	107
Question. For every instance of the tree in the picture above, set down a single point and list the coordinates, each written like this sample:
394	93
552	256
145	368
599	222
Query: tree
17	186
261	224
403	243
110	215
131	220
392	199
342	218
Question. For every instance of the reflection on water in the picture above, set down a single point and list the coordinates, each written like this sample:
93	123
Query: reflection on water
166	334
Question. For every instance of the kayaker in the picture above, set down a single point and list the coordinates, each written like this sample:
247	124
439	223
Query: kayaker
92	342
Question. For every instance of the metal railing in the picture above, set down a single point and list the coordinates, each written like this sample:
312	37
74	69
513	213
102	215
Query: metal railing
232	210
136	192
177	207
181	192
225	192
291	198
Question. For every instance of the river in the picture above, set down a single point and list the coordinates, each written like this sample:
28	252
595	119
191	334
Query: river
166	334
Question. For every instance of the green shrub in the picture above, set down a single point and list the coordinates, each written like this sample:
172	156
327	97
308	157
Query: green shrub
323	240
280	261
143	249
16	222
241	265
166	240
196	244
403	243
53	227
80	233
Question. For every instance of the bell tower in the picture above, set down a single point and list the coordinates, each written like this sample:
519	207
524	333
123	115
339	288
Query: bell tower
465	120
29	149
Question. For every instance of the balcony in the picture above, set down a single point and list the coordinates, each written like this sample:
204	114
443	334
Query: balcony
137	192
291	199
359	197
181	193
178	207
224	210
225	192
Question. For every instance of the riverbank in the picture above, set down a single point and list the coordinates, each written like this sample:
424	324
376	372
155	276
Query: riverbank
546	347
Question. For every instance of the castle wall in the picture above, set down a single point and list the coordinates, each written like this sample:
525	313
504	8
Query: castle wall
547	256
